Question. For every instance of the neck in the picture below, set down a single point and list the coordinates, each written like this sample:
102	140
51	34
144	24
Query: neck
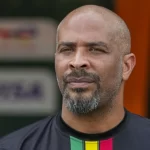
94	122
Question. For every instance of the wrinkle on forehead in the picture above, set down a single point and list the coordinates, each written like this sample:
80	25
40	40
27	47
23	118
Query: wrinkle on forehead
87	15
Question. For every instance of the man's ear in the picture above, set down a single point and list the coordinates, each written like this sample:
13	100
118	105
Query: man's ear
129	62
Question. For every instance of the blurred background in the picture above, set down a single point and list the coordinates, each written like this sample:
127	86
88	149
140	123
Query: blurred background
28	88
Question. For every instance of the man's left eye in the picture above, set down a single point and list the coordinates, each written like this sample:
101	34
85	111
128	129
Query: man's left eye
96	50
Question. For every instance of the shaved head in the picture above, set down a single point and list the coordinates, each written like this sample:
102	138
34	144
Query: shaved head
118	31
92	59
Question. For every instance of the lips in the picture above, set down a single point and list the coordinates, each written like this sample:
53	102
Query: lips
79	80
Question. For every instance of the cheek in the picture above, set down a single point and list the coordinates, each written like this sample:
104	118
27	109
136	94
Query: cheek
108	69
60	66
115	73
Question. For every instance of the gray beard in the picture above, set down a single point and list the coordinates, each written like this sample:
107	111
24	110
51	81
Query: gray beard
81	104
99	99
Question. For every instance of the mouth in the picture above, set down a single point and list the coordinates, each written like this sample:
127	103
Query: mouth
82	82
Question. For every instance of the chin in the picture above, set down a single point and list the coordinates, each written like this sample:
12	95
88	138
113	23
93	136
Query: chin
80	94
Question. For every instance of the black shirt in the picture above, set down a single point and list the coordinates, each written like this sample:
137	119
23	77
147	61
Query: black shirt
133	133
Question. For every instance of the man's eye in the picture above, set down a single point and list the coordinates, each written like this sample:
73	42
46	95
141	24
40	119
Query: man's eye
92	49
96	49
65	49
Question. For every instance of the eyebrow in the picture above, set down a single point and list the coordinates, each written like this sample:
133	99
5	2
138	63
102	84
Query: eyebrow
87	44
97	44
66	44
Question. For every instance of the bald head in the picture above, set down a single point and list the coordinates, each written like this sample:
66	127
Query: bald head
91	44
119	34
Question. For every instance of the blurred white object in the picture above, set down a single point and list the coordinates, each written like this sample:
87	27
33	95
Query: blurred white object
27	92
27	39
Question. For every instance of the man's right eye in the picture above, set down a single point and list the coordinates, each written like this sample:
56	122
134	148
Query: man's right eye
65	49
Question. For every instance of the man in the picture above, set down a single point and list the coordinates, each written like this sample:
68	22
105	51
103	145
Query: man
92	61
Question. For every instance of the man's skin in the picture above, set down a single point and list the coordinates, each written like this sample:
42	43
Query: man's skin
92	62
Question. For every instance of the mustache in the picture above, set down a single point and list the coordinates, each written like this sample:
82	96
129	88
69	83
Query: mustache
81	73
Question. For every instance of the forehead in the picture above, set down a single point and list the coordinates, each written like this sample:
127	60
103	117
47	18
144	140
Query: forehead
89	27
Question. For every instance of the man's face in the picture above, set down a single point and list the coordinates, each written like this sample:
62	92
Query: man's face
88	66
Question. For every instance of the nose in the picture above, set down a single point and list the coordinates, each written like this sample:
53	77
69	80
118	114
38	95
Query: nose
79	61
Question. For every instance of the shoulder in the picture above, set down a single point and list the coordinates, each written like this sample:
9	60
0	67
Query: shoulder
139	123
16	138
138	118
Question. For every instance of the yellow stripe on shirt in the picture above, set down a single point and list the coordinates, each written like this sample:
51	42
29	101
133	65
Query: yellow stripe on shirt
91	145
